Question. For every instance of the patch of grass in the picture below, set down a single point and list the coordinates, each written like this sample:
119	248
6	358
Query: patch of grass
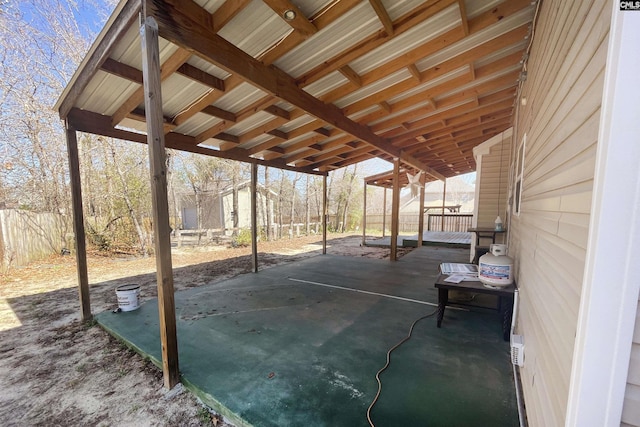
90	323
204	415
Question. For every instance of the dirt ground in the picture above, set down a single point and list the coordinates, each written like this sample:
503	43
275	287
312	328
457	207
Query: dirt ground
58	371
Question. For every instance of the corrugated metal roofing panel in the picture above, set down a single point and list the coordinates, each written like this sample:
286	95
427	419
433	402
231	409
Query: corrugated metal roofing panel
417	36
127	50
256	29
208	67
198	124
294	124
494	56
133	126
255	141
326	84
403	111
311	7
240	97
210	5
431	83
479	81
348	30
476	7
257	119
178	92
398	8
373	88
364	112
503	26
105	93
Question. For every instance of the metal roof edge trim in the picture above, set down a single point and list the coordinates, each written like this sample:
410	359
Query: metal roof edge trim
82	70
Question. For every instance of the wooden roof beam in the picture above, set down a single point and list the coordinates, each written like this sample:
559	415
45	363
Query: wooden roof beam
196	36
86	121
320	20
410	160
462	111
225	13
139	115
200	76
122	70
488	91
449	38
415	73
421	13
349	161
463	17
205	101
178	58
298	22
220	113
351	75
383	16
313	149
249	111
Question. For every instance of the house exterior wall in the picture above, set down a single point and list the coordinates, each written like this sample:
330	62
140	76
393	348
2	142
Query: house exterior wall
548	238
492	161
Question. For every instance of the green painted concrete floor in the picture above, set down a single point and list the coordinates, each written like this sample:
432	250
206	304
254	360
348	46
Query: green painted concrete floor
281	348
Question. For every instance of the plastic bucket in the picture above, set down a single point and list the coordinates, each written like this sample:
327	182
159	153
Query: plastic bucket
128	297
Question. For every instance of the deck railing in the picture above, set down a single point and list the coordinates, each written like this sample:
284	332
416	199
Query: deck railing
409	222
452	222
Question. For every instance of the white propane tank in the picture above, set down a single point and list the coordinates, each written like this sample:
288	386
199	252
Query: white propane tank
495	267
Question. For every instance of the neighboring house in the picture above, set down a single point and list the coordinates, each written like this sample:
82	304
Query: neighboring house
216	209
458	193
571	200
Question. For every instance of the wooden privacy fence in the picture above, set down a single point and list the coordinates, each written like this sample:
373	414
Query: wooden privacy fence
27	236
433	222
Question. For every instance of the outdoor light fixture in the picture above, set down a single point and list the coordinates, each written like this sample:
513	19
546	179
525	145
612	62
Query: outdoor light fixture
289	15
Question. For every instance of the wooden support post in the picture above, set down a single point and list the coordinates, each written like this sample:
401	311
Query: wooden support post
421	217
384	212
395	210
254	217
324	215
444	201
364	216
160	205
78	223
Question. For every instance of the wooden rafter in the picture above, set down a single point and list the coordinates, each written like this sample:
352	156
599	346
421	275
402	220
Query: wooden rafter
168	68
383	16
401	25
197	37
86	121
416	116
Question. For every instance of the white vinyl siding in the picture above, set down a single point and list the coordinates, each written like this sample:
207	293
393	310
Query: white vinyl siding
549	238
493	180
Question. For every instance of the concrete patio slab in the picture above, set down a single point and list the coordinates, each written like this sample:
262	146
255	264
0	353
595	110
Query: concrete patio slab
300	344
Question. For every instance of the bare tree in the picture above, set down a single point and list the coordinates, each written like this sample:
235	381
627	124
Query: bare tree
40	47
296	178
126	192
267	196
